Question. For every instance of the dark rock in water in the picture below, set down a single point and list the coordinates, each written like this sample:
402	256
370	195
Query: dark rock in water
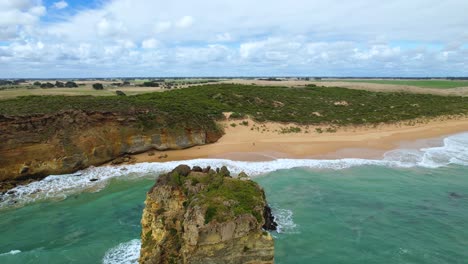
270	223
11	192
93	180
182	170
455	195
197	169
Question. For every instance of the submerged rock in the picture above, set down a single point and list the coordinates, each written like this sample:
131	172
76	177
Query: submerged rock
206	217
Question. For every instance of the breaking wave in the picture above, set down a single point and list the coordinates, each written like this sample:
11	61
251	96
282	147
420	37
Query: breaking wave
453	151
124	253
13	252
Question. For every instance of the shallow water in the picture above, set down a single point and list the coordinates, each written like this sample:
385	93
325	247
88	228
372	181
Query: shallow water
410	207
372	215
80	229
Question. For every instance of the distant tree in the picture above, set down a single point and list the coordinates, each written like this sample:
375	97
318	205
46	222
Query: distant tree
98	86
120	93
71	85
47	85
125	83
37	83
150	84
3	82
59	84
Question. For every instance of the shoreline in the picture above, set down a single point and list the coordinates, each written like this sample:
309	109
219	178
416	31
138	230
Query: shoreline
242	143
246	143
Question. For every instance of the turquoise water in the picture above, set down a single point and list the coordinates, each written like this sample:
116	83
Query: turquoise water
372	215
79	229
362	214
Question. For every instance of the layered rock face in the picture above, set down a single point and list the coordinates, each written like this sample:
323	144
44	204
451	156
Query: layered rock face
37	146
204	216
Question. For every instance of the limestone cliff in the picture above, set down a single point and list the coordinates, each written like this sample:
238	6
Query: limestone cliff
203	216
35	146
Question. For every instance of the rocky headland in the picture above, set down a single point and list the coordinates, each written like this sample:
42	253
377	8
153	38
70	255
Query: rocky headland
34	146
206	216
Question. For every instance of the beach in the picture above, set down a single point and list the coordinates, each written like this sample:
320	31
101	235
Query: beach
247	143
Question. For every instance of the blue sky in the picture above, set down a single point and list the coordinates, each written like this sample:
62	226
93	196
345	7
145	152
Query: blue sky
72	38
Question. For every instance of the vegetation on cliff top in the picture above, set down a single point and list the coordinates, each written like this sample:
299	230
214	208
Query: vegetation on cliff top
204	104
223	197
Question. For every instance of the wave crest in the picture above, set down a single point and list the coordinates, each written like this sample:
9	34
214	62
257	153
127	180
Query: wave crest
124	253
453	151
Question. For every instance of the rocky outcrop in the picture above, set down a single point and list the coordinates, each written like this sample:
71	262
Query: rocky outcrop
40	145
203	216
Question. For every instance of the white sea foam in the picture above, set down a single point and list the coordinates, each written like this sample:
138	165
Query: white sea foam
284	219
453	151
124	253
13	252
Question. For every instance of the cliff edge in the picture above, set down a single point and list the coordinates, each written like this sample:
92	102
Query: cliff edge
205	216
34	146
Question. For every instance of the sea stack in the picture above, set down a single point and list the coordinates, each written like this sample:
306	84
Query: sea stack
206	216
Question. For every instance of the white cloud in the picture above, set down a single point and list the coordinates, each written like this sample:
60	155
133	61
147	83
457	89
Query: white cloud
162	26
110	27
185	22
224	37
149	43
18	14
60	5
332	37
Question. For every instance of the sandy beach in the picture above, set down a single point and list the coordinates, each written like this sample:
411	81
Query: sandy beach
263	141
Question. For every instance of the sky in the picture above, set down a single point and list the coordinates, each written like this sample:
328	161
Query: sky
130	38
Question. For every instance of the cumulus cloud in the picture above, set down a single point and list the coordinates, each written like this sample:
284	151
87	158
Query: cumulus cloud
149	43
185	22
205	37
60	5
18	14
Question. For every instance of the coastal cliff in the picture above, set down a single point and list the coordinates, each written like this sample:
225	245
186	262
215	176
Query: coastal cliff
34	146
205	216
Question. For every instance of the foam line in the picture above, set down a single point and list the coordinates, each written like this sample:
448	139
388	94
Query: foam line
124	253
453	151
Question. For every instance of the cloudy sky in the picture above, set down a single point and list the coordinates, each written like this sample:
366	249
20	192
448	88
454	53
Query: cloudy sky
102	38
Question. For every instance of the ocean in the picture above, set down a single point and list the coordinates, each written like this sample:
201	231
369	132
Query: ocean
411	206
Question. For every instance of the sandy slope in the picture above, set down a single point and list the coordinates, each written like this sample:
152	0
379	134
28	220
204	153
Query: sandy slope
266	143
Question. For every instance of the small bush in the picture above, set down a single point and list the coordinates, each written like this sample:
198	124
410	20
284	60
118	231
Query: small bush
71	85
120	93
236	115
98	86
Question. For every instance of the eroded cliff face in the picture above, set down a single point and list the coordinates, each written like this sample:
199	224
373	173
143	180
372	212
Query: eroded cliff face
203	216
37	146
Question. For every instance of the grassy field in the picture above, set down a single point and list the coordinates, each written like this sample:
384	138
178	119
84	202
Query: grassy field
12	91
438	84
206	103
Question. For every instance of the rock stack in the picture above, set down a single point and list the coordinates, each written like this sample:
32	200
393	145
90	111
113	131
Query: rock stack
206	216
